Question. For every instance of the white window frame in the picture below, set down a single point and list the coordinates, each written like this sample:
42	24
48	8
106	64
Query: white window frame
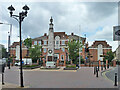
45	50
35	42
63	49
62	42
39	42
44	42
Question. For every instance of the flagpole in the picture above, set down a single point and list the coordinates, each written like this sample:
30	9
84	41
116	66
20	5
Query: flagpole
79	47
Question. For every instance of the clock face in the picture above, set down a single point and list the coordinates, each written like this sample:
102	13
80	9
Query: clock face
50	51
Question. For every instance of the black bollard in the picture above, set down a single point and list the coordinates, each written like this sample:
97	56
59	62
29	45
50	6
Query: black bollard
3	68
3	79
108	66
101	67
97	73
105	67
115	79
94	70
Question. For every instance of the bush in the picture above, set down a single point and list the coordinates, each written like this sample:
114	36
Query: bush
67	62
30	65
70	66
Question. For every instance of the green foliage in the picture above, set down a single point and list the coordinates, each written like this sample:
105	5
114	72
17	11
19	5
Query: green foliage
4	52
70	66
67	62
109	56
35	53
30	65
73	49
28	42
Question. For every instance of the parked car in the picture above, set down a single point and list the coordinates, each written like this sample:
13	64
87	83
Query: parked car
17	63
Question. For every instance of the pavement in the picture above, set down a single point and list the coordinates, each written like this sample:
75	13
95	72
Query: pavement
82	78
110	74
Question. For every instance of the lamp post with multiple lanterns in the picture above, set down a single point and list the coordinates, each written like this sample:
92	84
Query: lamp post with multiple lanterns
19	18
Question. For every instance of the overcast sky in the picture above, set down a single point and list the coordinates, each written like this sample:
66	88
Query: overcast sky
96	20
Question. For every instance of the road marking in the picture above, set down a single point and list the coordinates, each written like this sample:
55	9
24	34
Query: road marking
106	76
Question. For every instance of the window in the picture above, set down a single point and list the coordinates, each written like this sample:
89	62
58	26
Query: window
35	42
62	57
45	42
39	42
63	49
63	42
57	42
44	50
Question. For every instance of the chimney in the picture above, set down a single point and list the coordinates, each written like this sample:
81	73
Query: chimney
72	34
45	34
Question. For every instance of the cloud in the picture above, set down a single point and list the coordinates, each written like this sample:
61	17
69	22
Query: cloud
67	17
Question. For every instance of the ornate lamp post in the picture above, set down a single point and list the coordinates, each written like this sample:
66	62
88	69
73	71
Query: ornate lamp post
19	18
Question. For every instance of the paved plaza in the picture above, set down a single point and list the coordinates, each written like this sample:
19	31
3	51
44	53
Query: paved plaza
82	78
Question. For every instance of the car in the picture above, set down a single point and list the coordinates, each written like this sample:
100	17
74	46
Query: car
17	63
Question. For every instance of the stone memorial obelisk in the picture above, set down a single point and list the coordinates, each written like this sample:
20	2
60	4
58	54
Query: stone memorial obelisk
51	41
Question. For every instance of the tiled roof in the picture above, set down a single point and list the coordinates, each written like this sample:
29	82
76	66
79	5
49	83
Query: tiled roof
62	35
15	44
104	43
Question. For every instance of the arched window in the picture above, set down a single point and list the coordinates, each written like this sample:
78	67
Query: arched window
57	42
100	52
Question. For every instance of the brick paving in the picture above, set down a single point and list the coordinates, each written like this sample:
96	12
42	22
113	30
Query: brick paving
82	78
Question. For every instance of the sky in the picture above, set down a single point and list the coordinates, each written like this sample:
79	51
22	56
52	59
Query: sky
95	19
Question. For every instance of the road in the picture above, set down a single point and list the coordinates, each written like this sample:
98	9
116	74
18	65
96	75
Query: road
111	74
83	78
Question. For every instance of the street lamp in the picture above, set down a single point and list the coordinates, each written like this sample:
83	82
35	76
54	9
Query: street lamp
19	18
9	41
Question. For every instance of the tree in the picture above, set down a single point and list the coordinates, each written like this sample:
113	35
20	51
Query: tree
109	56
73	49
28	42
4	52
35	52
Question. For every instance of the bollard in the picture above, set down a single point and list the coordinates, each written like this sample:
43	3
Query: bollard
101	68
94	70
3	68
97	72
108	66
3	79
115	79
105	67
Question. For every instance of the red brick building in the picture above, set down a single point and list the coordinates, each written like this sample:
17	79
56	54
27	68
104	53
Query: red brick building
54	46
98	49
54	41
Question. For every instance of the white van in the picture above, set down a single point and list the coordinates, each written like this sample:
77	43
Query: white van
50	64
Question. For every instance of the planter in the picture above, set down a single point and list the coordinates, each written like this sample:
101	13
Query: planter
34	67
70	69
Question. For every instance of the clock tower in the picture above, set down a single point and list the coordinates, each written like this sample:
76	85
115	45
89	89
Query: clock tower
51	41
